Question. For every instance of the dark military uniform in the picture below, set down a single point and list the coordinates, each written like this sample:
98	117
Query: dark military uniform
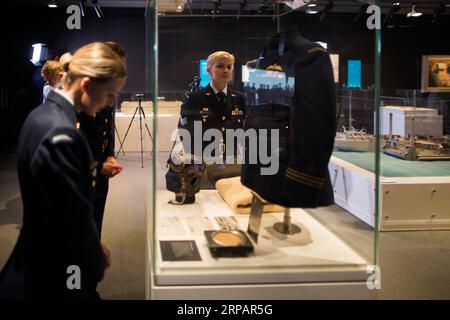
306	146
100	133
204	106
56	172
213	112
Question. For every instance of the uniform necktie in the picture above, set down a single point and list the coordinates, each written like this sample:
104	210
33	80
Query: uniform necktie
222	98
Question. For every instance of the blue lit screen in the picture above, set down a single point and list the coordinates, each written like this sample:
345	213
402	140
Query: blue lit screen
354	74
204	76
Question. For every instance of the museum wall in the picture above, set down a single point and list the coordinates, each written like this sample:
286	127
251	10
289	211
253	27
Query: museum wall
183	41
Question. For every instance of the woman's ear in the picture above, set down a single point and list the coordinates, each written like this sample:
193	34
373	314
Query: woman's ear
85	83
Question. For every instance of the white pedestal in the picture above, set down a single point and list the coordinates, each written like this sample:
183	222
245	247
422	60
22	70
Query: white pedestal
168	114
405	120
412	203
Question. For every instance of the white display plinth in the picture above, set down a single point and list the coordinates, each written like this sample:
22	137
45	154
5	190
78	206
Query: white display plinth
313	264
411	203
404	120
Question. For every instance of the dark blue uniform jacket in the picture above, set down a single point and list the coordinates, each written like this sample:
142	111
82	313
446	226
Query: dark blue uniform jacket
56	172
307	126
203	106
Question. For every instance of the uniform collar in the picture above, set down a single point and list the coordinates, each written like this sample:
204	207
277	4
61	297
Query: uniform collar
225	90
64	103
63	94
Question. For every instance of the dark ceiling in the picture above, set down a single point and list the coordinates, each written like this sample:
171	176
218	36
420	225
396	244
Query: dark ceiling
252	6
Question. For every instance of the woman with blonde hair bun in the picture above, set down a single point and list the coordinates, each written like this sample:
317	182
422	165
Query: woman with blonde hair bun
59	254
64	63
51	72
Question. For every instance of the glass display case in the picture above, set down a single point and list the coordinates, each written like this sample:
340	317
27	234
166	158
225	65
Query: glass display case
229	231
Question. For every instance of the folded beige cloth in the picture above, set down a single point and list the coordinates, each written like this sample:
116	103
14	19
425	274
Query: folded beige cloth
239	197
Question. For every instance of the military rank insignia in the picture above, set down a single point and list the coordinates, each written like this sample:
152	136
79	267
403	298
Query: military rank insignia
204	113
183	121
237	112
93	169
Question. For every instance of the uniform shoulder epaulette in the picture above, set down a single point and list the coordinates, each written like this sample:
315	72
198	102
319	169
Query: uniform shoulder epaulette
61	138
316	49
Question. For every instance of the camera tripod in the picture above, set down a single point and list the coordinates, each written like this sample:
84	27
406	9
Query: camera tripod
141	115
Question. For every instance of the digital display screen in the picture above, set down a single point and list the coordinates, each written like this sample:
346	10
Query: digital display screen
267	86
354	74
204	75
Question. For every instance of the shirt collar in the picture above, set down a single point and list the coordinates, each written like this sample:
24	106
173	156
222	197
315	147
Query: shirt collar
217	90
64	95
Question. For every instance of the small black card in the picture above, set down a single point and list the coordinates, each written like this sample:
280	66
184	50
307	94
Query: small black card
179	250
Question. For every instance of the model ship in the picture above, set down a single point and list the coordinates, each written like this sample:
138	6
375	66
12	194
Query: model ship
354	140
418	149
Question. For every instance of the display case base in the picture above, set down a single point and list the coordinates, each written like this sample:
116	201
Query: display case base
312	264
407	203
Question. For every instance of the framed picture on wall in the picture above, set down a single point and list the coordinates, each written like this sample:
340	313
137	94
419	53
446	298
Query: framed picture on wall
436	73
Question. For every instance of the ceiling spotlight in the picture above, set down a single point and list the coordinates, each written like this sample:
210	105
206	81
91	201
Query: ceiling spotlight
395	7
52	4
327	9
312	5
414	13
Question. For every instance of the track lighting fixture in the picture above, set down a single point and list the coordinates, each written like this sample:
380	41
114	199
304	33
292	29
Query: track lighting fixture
329	6
82	5
414	13
395	7
97	8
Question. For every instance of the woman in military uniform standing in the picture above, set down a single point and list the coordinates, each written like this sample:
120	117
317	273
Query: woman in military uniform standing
58	254
216	106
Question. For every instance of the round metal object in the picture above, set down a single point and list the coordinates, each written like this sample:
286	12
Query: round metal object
281	227
228	238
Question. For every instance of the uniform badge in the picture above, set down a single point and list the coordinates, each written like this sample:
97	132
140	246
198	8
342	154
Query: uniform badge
204	113
61	138
93	169
237	112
